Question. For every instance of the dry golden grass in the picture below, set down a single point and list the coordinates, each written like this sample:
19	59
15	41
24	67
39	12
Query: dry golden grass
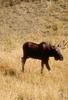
45	21
31	85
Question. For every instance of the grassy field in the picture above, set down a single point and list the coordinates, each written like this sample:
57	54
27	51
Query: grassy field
31	85
33	22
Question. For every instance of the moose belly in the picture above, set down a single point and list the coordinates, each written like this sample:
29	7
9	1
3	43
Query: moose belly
36	54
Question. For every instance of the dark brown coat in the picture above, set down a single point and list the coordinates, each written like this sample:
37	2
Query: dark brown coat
40	51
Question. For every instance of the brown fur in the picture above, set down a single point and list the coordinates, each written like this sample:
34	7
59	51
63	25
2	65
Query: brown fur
40	51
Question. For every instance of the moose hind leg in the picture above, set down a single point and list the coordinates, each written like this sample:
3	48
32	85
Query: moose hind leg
23	63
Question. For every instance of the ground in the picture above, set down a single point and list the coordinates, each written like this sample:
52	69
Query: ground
33	21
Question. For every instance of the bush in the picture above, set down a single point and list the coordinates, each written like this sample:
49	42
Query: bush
9	2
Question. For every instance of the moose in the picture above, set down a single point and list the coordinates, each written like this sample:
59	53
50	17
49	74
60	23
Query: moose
41	51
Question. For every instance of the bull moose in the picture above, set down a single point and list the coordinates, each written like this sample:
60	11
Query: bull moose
41	51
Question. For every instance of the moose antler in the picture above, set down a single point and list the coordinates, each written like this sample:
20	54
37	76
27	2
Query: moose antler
65	43
62	44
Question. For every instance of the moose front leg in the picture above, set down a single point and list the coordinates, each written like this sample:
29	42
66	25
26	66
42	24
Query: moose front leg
47	65
23	59
42	66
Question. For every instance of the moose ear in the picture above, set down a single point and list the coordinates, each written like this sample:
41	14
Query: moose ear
52	47
57	49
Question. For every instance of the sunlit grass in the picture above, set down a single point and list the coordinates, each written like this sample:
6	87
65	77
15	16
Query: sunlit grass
29	22
31	85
